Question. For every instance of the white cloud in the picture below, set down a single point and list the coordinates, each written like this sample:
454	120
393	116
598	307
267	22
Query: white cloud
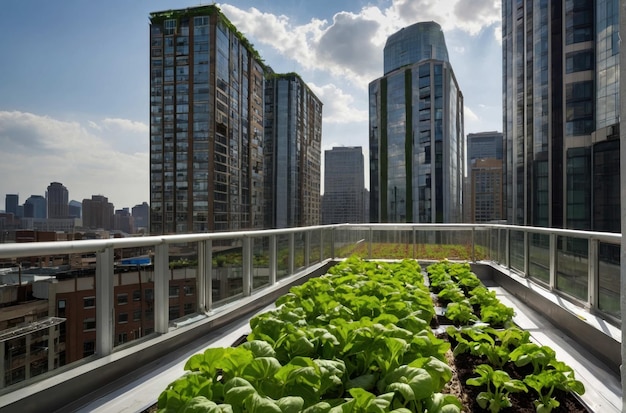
339	106
125	125
42	150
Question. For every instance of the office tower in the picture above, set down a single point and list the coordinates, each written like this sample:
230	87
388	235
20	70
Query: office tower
11	202
98	213
344	186
293	135
416	131
75	209
561	113
35	207
123	221
484	145
484	192
141	215
57	196
206	124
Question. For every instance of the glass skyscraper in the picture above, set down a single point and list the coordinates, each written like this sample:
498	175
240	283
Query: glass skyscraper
293	140
561	113
416	131
344	186
206	124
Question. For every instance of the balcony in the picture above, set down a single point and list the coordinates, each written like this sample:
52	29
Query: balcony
119	332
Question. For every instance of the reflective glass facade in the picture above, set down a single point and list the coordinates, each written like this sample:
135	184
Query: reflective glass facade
293	141
344	186
416	133
206	124
561	105
420	41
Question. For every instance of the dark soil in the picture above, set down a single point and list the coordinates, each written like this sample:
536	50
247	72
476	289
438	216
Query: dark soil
463	368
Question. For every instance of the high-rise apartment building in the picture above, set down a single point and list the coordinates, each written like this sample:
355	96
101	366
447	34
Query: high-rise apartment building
206	124
293	138
416	131
344	186
141	216
57	196
11	202
98	213
75	209
35	207
485	169
561	113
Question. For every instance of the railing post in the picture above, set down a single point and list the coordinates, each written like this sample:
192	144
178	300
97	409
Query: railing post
208	252
553	261
292	253
205	275
332	242
161	288
507	249
307	248
370	242
105	315
414	235
526	251
272	259
592	261
247	266
473	245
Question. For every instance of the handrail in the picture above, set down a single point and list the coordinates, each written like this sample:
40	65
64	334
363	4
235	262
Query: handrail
328	244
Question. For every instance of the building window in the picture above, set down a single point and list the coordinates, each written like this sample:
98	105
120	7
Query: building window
89	302
122	318
122	299
137	295
122	338
174	290
137	315
61	308
188	308
189	289
174	312
89	324
89	348
169	26
149	294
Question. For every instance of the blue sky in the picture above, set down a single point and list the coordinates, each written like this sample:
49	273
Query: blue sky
74	87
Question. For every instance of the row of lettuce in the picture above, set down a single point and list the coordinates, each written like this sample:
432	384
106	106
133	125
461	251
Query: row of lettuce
358	339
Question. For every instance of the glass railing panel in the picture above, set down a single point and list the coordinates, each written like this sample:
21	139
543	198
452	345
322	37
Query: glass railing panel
260	262
299	253
327	243
351	241
227	274
609	279
457	245
572	270
539	257
182	289
315	247
393	244
501	246
517	250
133	292
282	256
482	245
49	314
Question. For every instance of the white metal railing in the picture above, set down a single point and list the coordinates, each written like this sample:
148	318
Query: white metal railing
523	249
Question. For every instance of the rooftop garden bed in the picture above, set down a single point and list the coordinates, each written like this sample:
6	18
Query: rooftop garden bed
366	337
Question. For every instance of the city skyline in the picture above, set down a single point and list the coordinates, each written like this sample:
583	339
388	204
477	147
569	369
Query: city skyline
84	119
